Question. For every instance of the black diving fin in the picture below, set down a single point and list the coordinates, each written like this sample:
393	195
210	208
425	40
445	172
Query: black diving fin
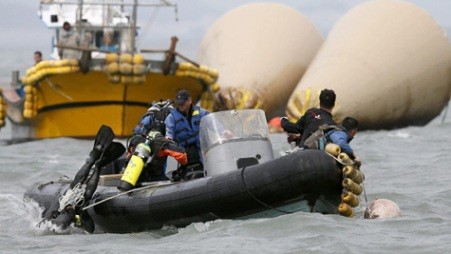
104	137
67	216
112	152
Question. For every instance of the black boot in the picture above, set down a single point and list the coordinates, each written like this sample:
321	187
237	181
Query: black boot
65	218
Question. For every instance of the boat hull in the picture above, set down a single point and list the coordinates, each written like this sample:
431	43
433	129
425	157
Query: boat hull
76	104
280	186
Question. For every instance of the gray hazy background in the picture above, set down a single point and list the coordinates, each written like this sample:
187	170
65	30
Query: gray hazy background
23	32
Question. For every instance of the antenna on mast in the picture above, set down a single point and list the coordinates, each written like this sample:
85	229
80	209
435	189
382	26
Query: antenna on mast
176	12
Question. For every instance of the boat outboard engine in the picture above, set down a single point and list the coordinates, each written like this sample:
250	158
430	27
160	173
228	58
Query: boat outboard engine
234	139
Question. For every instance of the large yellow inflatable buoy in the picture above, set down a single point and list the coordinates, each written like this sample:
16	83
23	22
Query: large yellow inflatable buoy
261	50
388	62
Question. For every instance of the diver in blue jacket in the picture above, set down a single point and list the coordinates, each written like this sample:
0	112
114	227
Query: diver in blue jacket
182	126
344	135
156	114
152	120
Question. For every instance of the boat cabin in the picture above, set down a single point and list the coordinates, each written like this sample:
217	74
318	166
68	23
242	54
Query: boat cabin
101	26
234	139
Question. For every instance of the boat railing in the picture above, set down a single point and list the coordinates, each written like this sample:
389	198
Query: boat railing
151	3
165	65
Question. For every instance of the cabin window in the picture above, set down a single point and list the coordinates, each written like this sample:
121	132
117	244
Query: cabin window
108	41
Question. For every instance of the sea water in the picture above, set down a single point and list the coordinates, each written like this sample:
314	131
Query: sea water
410	166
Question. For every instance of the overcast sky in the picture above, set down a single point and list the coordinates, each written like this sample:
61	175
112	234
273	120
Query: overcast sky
22	30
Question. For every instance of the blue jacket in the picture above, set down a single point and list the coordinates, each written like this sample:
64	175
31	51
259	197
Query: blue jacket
144	125
180	130
341	138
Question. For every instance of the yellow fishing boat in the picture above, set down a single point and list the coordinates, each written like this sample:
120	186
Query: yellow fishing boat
96	75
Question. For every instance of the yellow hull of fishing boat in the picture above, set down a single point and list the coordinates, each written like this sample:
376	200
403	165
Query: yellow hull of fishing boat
261	51
96	75
76	104
388	62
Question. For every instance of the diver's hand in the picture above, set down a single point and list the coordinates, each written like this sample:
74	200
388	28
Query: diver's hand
284	119
357	162
293	137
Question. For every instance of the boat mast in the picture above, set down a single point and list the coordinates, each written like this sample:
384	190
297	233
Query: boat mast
80	16
58	10
133	30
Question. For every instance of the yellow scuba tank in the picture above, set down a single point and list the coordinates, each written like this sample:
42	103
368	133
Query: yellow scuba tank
134	167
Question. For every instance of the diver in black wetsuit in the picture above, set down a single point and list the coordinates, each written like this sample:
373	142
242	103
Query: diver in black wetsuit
311	120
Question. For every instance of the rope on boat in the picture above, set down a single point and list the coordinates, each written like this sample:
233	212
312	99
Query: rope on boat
63	179
152	185
73	196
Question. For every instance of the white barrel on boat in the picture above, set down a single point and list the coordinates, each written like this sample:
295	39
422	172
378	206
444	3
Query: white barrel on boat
388	62
261	51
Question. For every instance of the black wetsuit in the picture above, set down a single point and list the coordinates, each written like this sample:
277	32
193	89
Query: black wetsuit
156	170
308	123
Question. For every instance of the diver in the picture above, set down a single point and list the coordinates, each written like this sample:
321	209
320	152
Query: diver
153	118
156	114
182	126
148	145
344	136
148	161
67	208
311	120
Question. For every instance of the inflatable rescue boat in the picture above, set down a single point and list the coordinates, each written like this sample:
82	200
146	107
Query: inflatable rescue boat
242	180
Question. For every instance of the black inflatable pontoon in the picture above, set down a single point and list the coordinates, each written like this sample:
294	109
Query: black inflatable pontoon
242	180
283	185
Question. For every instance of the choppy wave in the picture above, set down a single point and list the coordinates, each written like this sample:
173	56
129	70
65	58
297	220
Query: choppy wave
409	166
